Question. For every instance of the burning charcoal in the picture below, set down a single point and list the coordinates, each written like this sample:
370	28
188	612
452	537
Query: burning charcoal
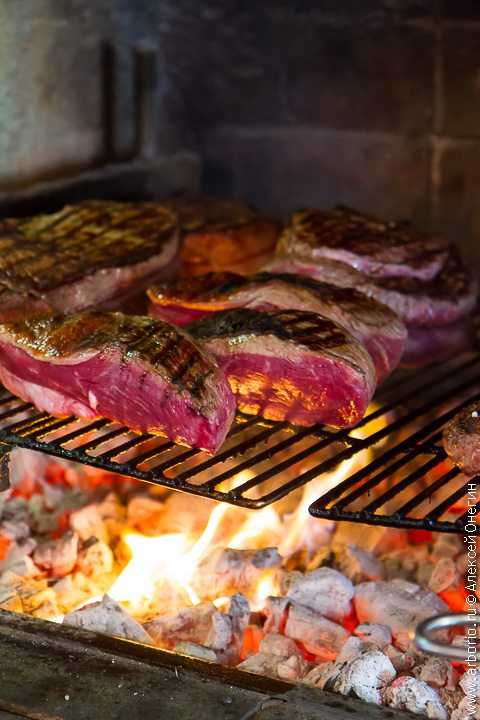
95	559
144	514
446	545
47	611
406	563
407	693
365	677
287	668
10	600
444	575
350	650
318	635
438	672
323	676
191	624
276	611
379	635
226	571
68	595
184	513
14	530
359	565
108	617
197	651
324	590
239	611
470	681
220	633
401	606
104	519
464	711
275	644
402	662
19	563
58	556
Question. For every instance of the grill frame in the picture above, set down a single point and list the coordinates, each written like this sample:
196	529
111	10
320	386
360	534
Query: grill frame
250	445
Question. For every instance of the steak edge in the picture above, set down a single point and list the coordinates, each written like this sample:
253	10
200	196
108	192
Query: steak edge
461	439
374	325
138	371
290	365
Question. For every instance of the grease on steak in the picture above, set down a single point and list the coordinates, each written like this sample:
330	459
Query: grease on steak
136	370
83	255
367	244
445	299
461	439
372	324
290	365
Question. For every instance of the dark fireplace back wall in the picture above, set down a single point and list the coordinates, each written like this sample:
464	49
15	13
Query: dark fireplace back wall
373	103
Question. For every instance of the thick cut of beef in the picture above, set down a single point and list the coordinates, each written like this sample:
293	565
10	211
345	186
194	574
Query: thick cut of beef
223	235
141	372
448	297
461	439
83	256
364	243
377	327
290	365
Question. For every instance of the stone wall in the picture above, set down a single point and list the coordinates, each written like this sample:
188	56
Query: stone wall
372	103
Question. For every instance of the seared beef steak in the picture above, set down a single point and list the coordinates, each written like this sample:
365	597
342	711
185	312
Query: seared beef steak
290	365
365	243
372	324
138	371
461	439
83	256
223	235
447	298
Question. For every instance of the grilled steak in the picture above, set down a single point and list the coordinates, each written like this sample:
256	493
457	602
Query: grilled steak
364	243
223	235
290	365
437	344
141	372
461	439
447	298
372	324
82	256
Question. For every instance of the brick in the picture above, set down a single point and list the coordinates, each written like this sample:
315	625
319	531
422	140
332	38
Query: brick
356	76
457	211
461	81
283	169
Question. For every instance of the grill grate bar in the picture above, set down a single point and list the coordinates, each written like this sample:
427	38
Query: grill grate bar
406	471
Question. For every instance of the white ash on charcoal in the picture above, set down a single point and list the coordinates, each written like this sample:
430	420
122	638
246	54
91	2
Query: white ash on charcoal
438	672
445	545
407	693
325	591
378	540
466	710
400	605
378	635
10	599
359	565
196	651
109	618
365	676
95	559
104	519
57	557
291	668
444	575
69	595
18	560
470	682
411	563
276	644
319	635
402	661
226	571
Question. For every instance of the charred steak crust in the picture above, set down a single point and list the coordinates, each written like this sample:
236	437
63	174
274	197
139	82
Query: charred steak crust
164	348
299	327
40	253
363	242
461	439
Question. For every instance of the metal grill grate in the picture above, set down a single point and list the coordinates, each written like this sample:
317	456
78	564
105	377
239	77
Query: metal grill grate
395	468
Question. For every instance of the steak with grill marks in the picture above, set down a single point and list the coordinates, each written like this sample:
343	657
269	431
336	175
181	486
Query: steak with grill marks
83	256
141	372
364	243
445	299
290	365
374	325
461	439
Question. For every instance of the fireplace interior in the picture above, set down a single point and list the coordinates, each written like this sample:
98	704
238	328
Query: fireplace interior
286	575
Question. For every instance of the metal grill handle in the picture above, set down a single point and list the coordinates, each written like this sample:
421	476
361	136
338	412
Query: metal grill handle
424	642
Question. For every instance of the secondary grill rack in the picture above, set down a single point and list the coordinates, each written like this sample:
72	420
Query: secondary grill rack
395	471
